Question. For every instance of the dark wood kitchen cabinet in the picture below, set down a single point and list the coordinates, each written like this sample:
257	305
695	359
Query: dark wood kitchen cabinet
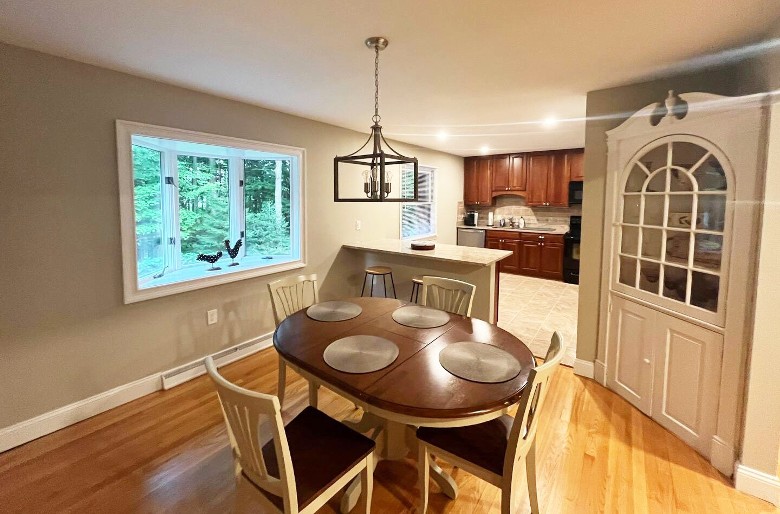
548	179
533	254
577	165
505	240
509	173
551	262
477	182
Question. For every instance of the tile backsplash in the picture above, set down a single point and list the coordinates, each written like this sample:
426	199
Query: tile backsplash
515	207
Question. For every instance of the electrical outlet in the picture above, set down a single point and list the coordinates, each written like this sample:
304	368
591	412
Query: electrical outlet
357	225
212	316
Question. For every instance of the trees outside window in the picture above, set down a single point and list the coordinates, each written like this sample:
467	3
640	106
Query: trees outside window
190	196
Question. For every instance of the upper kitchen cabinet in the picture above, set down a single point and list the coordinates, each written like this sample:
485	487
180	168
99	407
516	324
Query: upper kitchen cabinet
509	174
548	179
576	165
477	184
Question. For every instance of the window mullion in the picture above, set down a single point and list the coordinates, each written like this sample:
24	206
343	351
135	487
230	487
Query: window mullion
172	211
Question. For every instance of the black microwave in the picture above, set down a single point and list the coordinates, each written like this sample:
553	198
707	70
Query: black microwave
575	192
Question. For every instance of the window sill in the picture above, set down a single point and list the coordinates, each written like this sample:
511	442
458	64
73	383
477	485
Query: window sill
196	277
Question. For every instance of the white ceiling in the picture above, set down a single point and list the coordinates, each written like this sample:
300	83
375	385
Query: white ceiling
485	72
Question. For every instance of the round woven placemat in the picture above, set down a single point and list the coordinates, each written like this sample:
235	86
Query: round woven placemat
417	316
334	311
479	362
360	354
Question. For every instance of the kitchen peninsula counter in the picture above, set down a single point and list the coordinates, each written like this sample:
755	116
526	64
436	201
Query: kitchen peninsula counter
473	265
442	252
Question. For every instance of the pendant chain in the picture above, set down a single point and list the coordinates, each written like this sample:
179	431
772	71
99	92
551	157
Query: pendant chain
376	118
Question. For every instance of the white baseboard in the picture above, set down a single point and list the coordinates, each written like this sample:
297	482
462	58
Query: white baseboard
52	421
600	372
722	456
757	483
583	368
26	431
196	368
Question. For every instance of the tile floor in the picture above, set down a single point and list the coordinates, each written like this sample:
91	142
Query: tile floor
533	308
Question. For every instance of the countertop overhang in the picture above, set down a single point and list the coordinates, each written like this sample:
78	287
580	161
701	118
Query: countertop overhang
442	252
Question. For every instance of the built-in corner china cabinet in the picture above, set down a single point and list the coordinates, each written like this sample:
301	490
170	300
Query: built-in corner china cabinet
683	181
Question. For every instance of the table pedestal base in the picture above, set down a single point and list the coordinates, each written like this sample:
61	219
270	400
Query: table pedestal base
394	441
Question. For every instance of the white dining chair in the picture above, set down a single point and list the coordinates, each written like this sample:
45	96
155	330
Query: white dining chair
493	450
295	468
288	296
448	294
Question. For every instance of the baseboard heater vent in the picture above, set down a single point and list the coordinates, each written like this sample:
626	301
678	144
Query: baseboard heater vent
194	369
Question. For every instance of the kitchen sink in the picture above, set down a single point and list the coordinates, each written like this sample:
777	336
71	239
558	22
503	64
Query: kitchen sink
540	229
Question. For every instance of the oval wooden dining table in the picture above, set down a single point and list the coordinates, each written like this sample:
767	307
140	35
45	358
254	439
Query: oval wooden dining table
414	390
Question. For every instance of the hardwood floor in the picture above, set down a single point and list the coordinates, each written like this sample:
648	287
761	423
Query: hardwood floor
168	452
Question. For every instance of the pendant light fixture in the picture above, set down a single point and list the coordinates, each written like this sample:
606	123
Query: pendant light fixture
370	169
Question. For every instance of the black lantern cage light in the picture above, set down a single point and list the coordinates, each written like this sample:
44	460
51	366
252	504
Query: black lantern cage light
377	184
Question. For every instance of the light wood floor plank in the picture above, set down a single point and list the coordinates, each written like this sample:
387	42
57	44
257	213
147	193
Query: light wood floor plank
168	452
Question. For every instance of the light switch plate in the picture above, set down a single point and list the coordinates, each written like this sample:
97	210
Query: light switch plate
212	316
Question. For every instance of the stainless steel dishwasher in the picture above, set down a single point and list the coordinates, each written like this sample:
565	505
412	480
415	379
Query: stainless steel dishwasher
471	237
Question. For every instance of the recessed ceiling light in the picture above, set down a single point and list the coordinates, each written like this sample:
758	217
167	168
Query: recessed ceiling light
442	135
484	149
550	122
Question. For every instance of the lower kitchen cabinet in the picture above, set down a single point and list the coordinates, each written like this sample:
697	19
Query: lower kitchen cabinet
506	240
533	254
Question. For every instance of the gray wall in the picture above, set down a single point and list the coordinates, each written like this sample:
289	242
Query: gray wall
65	333
608	108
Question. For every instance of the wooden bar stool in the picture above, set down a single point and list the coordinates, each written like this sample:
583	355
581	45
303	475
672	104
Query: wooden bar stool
382	271
416	285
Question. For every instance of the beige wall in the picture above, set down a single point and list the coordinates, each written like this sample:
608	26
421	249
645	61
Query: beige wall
64	332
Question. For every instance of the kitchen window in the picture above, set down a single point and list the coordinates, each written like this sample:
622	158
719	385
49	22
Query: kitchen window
188	198
418	219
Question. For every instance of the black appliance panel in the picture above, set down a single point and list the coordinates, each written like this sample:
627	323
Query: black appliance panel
575	192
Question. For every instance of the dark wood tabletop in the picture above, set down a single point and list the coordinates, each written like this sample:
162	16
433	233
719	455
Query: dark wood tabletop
415	384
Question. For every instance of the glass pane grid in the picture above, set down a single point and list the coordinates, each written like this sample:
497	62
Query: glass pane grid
671	233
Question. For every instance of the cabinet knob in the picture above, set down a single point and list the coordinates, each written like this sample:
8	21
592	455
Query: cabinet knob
646	361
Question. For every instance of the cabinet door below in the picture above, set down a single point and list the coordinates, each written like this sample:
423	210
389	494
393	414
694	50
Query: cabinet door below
530	257
512	263
551	265
630	361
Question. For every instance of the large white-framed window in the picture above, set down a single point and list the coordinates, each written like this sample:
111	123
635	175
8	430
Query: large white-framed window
418	219
187	198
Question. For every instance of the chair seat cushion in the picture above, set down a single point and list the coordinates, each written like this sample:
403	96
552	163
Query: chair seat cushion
483	445
321	449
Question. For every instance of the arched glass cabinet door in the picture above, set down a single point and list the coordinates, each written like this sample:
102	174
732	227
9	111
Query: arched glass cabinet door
673	227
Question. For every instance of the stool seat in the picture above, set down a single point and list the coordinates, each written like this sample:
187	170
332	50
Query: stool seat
417	279
379	270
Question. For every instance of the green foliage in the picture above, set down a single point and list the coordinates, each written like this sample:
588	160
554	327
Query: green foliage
204	207
148	209
266	235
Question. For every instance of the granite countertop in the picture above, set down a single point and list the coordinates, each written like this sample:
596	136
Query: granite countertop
557	229
442	252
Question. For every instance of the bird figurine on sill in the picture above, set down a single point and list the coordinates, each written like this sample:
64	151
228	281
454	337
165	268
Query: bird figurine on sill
211	259
233	252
